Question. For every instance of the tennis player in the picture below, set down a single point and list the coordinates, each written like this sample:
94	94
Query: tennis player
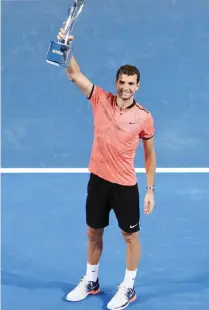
119	125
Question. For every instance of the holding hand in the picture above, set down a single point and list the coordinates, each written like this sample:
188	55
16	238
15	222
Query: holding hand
61	36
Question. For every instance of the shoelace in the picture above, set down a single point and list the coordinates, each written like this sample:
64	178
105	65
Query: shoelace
122	290
82	285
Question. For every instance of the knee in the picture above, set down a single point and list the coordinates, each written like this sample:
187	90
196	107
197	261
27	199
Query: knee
95	235
130	237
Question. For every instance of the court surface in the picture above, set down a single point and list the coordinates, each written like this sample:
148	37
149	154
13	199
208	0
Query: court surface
47	123
44	244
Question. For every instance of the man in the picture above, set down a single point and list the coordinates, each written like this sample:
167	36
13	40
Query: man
119	124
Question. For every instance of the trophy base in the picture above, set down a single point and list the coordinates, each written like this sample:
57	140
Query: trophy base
58	54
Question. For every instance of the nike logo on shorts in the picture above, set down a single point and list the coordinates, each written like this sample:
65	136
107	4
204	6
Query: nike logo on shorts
133	226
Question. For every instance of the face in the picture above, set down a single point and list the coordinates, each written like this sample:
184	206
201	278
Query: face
126	86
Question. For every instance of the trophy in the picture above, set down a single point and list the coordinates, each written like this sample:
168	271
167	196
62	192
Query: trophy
59	51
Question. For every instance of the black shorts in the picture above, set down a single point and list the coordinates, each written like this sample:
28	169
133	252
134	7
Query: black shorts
104	196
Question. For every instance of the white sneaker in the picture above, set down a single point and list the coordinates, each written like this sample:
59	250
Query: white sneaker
123	297
83	289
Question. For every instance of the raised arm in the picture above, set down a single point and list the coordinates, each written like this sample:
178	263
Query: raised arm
74	73
78	78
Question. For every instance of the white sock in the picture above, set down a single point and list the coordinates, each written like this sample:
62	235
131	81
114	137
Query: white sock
92	272
129	279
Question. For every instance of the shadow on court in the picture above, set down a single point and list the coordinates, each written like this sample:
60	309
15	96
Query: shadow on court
154	287
30	283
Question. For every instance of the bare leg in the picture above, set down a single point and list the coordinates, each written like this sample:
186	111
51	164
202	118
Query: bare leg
133	250
95	245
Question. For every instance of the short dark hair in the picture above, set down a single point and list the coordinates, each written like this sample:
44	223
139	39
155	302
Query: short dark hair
128	70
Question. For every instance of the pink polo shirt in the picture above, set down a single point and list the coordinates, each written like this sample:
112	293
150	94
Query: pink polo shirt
117	134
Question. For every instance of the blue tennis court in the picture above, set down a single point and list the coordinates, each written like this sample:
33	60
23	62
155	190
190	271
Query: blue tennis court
44	244
47	123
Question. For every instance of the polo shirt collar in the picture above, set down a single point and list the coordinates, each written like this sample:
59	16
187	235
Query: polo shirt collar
130	106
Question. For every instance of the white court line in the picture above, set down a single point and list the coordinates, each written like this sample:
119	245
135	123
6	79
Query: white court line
85	170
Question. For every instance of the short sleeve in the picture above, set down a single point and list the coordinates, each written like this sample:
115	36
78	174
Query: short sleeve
96	94
148	128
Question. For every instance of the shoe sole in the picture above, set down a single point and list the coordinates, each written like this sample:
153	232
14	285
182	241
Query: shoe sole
130	301
89	293
94	292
